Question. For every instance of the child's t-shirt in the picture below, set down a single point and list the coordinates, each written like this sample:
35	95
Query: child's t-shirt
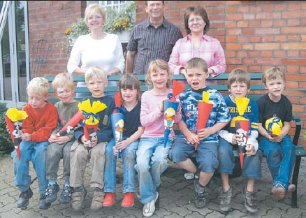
104	132
40	122
251	114
268	109
189	102
65	112
131	121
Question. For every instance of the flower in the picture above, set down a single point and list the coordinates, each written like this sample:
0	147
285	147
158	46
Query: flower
68	31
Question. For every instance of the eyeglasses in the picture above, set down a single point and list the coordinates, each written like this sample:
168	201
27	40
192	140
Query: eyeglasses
195	20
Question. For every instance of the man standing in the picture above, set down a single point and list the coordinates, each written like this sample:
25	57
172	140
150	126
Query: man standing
151	39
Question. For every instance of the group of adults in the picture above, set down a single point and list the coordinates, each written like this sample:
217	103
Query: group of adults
153	38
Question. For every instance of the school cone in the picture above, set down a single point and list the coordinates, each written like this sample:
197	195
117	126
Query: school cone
170	108
242	128
177	87
73	122
10	126
204	110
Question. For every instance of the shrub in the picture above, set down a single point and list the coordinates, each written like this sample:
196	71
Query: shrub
6	144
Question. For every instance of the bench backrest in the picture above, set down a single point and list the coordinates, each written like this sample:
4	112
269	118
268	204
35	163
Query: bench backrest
219	83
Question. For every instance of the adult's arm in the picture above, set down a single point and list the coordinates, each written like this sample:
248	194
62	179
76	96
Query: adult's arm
174	61
75	59
118	59
130	58
219	65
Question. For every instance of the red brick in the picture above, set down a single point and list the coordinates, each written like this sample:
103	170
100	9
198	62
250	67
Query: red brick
267	46
233	46
293	46
293	22
288	30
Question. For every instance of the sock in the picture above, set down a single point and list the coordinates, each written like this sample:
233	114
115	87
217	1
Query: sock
52	181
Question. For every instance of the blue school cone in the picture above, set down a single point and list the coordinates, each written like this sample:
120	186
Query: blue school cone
117	120
170	108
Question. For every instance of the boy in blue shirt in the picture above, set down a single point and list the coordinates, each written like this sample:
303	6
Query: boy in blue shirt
239	85
206	138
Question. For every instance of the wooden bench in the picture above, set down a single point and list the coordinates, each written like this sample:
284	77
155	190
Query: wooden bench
219	83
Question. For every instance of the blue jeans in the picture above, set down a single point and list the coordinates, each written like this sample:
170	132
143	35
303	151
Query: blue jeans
128	156
151	162
206	155
35	152
280	159
251	164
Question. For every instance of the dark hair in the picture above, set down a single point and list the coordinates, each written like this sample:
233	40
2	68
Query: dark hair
238	75
129	81
198	10
197	62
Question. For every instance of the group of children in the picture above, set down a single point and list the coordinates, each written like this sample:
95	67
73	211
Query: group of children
143	148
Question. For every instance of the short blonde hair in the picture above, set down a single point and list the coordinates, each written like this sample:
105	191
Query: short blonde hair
197	63
272	73
63	80
38	86
92	8
95	72
155	66
238	75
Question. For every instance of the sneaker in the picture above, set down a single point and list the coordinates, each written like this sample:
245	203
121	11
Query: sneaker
200	194
109	199
225	200
250	201
189	176
149	208
97	200
23	200
51	193
77	198
43	204
65	196
128	200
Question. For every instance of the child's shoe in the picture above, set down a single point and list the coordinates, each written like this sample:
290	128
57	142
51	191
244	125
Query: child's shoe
77	198
279	191
65	196
43	204
23	200
250	203
51	193
109	199
97	199
149	208
225	200
128	200
200	194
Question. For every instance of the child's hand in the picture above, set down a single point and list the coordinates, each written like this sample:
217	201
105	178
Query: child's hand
26	137
121	145
268	136
278	138
192	138
250	150
161	107
115	150
52	138
62	139
204	133
85	141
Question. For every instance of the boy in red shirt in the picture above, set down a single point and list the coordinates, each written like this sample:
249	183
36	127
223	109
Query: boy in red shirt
36	130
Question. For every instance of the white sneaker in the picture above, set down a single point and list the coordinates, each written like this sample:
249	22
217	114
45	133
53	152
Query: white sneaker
149	208
189	176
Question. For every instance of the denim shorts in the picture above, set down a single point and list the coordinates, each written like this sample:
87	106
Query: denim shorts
205	156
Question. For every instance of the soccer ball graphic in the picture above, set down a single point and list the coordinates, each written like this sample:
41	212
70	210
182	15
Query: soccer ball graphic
274	126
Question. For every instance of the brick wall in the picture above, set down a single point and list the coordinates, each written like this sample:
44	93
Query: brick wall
254	34
48	45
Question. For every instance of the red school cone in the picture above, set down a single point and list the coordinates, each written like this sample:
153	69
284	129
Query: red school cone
11	128
177	87
204	110
242	128
77	118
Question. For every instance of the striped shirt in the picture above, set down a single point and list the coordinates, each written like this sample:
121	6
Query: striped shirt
209	50
152	43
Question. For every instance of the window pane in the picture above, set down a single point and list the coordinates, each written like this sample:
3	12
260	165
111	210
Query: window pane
21	53
6	67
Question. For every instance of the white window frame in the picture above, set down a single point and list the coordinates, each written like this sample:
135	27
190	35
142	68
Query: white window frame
11	22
